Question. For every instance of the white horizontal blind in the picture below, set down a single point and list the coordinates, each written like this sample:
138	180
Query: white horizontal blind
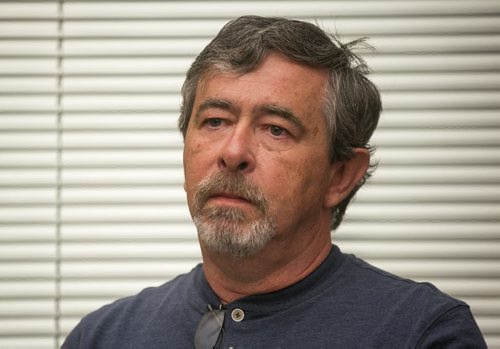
91	200
28	174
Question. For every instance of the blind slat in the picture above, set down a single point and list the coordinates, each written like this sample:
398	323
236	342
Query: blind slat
343	25
125	213
183	9
425	249
431	193
438	174
95	232
425	211
418	230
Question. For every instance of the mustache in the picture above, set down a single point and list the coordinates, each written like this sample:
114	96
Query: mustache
234	184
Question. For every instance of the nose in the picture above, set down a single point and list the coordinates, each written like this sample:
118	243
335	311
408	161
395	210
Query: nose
237	154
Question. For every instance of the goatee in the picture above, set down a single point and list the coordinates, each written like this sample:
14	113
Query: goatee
229	230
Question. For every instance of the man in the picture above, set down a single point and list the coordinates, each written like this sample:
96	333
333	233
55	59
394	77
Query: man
276	119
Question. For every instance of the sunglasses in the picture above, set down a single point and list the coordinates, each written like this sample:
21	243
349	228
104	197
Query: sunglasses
210	331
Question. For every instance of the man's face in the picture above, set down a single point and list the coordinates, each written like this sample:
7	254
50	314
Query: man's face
256	157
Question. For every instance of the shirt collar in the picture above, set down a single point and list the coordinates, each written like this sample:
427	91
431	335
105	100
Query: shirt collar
303	290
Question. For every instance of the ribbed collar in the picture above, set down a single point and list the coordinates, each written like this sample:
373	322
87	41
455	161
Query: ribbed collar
315	283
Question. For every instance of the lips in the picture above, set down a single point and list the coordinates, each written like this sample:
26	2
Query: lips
228	197
229	190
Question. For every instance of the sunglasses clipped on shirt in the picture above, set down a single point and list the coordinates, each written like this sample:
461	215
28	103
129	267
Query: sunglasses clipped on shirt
210	330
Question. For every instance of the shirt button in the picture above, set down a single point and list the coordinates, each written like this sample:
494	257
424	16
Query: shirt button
237	315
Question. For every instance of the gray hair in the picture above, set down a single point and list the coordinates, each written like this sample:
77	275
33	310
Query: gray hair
352	103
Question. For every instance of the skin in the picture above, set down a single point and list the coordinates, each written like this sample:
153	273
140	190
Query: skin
269	125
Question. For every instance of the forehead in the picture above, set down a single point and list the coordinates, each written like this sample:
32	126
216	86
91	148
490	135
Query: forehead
277	80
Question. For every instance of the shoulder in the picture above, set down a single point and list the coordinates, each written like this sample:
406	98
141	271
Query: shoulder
149	298
416	312
146	311
394	287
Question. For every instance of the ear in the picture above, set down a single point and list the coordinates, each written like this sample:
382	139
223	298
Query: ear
345	175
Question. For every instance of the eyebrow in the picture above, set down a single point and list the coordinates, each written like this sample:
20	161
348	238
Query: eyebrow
282	112
215	103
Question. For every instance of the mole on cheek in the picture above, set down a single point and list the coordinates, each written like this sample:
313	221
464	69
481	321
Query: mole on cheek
196	148
200	148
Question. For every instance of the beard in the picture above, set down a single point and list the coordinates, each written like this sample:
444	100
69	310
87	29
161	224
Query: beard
229	230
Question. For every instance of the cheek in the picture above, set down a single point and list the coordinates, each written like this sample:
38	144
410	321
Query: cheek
289	180
193	162
192	145
300	180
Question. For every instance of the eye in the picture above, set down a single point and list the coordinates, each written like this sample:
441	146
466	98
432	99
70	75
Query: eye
277	131
214	122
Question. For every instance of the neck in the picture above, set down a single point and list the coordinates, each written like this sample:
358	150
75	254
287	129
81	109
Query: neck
277	266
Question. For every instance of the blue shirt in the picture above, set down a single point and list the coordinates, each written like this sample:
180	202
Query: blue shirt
344	303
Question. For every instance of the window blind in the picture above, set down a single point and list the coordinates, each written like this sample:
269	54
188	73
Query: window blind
91	200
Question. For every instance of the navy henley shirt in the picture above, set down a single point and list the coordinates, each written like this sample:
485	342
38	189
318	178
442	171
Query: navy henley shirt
344	303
